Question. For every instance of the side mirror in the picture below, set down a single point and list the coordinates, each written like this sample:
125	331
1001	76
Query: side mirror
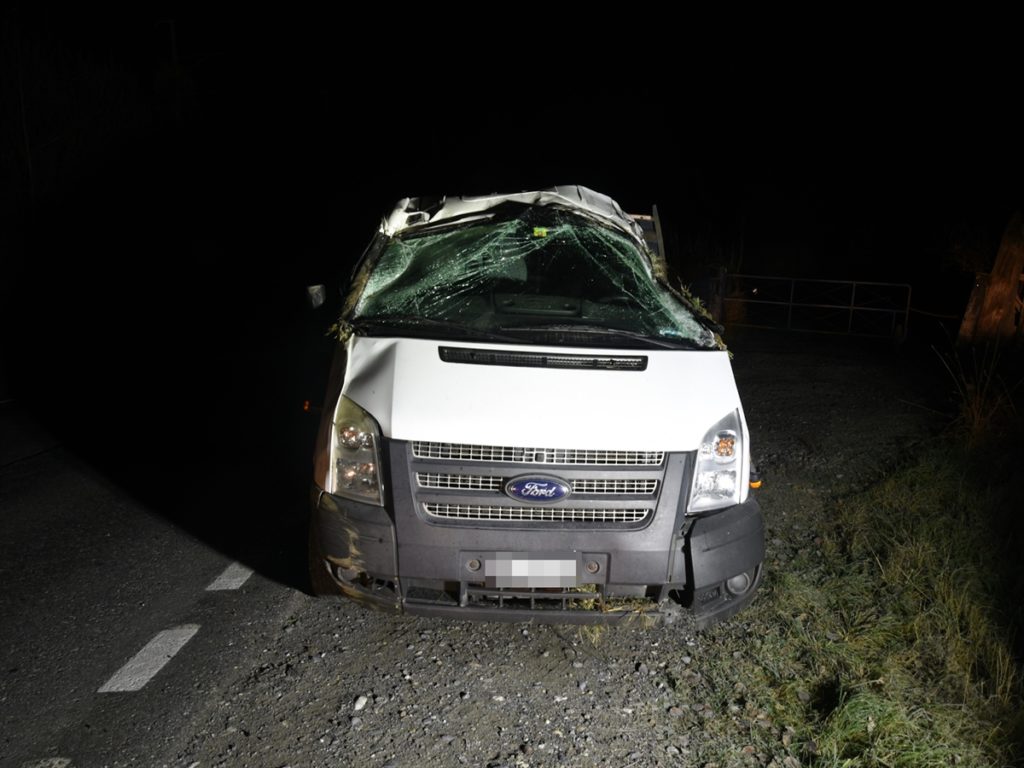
316	295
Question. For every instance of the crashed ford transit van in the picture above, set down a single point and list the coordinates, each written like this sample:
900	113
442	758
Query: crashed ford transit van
524	421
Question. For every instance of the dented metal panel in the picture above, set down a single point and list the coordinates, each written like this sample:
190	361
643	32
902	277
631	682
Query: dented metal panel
413	212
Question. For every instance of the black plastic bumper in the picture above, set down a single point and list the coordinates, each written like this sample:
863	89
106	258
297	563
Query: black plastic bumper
358	546
722	546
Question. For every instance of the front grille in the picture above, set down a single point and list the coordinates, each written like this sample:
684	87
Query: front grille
459	484
534	514
628	487
567	456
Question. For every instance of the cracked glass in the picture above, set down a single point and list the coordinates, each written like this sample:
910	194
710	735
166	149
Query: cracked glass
525	270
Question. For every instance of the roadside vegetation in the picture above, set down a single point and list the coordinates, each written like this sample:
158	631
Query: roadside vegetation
892	636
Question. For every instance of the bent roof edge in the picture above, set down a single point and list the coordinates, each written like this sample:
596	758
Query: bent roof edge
409	213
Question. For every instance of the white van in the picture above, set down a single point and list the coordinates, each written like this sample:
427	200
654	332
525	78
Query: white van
524	421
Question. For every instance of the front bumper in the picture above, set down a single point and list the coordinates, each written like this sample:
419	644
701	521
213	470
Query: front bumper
393	560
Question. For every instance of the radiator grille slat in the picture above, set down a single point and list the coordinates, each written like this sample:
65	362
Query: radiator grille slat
459	482
628	487
564	456
534	514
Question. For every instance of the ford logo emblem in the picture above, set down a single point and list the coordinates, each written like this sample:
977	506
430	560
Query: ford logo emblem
537	490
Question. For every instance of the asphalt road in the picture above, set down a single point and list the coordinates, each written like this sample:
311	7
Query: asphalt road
92	573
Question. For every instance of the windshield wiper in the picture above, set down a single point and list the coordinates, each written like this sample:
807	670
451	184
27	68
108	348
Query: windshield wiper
375	326
600	330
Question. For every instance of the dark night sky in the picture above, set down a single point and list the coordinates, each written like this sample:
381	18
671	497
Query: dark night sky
855	166
177	212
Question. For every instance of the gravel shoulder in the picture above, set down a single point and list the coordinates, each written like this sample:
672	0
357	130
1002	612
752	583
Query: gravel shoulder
335	684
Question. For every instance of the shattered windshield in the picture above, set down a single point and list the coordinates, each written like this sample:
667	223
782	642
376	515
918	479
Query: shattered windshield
523	274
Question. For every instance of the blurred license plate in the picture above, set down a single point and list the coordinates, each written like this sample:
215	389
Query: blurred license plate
523	570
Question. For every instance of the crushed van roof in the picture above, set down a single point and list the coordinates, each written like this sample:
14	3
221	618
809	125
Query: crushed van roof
414	212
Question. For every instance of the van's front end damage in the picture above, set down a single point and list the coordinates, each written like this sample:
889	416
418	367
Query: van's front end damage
448	544
456	525
526	423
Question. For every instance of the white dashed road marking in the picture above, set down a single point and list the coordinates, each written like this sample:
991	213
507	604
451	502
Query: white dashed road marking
150	660
234	576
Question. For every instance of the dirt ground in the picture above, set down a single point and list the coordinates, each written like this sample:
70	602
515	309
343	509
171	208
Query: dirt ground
338	685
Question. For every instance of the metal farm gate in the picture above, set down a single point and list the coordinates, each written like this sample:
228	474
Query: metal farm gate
821	306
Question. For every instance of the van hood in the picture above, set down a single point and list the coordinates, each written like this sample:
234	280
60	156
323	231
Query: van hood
415	395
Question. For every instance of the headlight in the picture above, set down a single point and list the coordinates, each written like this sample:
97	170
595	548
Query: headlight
716	476
354	470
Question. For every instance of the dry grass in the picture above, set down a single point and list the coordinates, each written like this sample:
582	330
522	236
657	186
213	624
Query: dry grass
984	400
891	645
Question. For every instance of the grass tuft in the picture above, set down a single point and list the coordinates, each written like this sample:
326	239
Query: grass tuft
984	400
